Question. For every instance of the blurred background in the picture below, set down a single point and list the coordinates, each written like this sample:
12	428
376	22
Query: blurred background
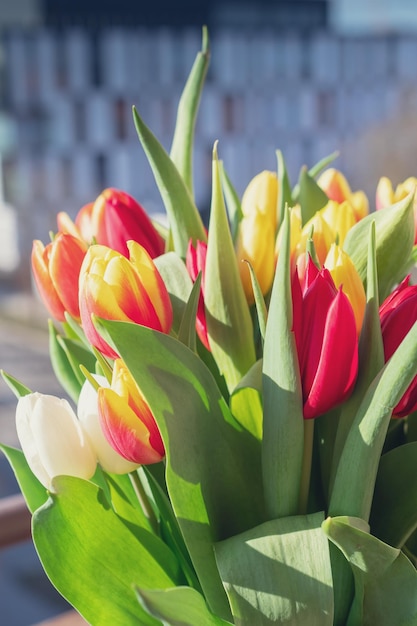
306	76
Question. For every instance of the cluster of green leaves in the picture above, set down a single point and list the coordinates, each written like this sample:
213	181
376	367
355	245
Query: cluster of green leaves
241	536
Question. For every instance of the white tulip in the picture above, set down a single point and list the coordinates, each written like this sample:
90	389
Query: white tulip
110	460
52	439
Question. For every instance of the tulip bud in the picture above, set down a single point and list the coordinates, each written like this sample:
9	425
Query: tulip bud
196	263
116	288
340	218
257	231
113	219
345	275
322	235
398	313
385	195
336	187
56	269
326	340
52	439
88	414
127	421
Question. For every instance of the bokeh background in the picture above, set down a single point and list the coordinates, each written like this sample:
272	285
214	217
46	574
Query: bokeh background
305	76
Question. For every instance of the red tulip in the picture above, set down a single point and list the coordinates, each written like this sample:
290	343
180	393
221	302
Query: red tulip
326	340
127	421
56	268
113	219
116	288
196	262
398	314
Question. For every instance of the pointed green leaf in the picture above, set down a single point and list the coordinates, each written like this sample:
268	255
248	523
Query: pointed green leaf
316	170
356	473
18	388
182	144
187	332
234	209
177	281
279	573
261	309
229	324
184	218
394	511
311	197
33	491
61	365
246	401
385	580
211	463
284	187
283	427
181	606
394	243
94	560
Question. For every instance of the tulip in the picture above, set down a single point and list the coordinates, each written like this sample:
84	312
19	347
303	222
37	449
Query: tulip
397	315
385	195
326	339
336	187
340	218
113	219
320	232
52	439
127	421
116	288
56	269
88	414
257	232
345	275
195	262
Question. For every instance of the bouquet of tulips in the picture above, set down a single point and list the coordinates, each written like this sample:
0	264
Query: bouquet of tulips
240	441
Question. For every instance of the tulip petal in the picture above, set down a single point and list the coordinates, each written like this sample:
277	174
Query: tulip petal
40	270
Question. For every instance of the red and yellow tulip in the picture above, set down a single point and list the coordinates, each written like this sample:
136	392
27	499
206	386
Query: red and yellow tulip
127	421
56	268
116	288
337	188
196	263
113	219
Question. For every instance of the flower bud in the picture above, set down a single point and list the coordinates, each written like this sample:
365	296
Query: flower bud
56	269
127	421
52	439
196	263
337	188
116	288
340	218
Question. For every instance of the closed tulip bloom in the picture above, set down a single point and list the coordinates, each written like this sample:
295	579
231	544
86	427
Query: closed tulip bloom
340	218
56	269
88	414
113	219
398	314
116	288
127	421
257	232
196	262
337	188
52	439
326	339
323	236
386	196
345	275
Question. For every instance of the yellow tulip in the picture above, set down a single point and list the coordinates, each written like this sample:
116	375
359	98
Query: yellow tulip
340	218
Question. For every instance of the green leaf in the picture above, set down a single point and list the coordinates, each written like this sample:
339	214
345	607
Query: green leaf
18	388
62	366
394	511
246	401
182	144
187	332
394	243
356	473
184	218
316	170
94	560
385	580
229	325
177	281
284	187
311	197
181	606
260	304
211	463
279	573
33	491
283	427
234	209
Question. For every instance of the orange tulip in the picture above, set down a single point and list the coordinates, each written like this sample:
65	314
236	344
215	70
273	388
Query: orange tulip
127	421
114	287
337	188
56	268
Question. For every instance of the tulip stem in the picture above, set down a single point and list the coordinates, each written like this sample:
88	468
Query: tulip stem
306	467
144	501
